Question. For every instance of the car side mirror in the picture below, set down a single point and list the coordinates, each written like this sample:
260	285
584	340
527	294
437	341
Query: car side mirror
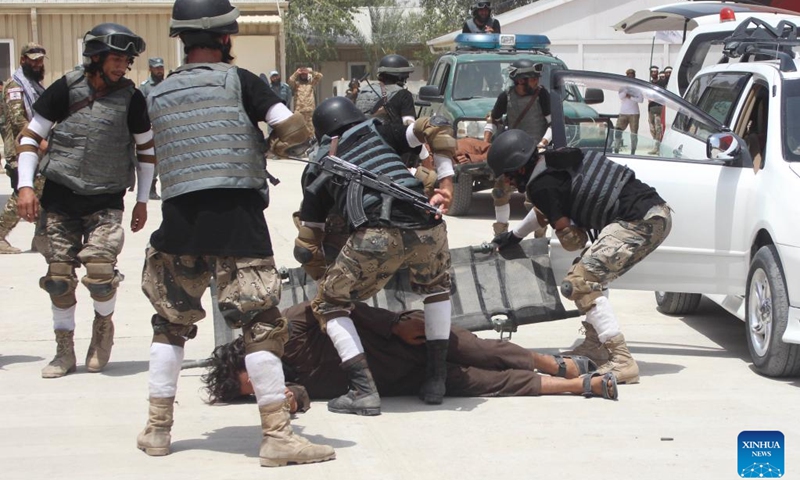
727	147
422	103
430	93
593	96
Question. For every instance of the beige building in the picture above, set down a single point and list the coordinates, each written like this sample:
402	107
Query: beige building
59	25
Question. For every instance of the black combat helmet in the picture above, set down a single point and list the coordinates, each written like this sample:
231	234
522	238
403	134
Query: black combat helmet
396	66
524	68
211	16
334	114
510	151
112	37
479	5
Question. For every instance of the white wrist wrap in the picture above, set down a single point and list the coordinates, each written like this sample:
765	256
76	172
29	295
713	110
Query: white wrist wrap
444	166
26	168
144	178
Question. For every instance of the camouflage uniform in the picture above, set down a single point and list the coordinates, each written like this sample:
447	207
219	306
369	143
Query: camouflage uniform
304	102
12	109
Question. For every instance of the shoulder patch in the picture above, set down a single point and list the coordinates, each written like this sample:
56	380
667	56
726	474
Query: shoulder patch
14	93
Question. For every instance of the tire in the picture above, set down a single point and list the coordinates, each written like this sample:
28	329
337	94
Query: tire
673	303
766	317
462	195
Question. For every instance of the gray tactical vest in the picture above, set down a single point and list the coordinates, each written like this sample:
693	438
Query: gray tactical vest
204	138
367	100
533	123
362	145
474	28
596	185
92	151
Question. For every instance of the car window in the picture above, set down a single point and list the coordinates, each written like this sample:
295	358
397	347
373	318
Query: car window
440	76
791	120
479	79
718	93
600	125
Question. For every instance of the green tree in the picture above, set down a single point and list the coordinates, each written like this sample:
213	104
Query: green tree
392	30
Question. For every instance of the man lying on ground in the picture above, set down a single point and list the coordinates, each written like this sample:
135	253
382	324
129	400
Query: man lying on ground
394	344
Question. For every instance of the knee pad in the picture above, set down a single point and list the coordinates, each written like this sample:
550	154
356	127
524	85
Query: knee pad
102	280
171	333
581	287
60	282
268	331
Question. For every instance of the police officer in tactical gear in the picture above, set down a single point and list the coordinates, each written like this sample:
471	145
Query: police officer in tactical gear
205	118
390	101
393	234
574	192
99	126
526	106
482	20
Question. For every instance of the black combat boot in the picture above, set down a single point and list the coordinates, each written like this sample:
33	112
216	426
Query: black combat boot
433	390
362	398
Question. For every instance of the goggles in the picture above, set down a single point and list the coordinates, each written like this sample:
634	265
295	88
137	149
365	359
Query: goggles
123	42
480	5
533	71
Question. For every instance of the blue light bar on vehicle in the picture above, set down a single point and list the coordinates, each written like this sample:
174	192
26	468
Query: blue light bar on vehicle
498	41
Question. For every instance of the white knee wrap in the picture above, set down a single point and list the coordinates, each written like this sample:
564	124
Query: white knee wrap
266	374
602	318
165	368
437	320
344	337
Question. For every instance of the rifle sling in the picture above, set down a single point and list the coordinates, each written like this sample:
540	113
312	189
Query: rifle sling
527	107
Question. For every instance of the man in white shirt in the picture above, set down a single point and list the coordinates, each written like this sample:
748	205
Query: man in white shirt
628	114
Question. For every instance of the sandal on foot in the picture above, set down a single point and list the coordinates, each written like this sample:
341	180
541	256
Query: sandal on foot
611	393
584	364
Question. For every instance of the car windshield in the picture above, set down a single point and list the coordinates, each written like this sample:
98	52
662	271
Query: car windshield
486	79
791	120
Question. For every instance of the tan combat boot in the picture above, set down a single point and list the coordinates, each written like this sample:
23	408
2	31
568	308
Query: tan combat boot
621	363
155	438
100	347
499	227
280	446
7	248
591	346
64	361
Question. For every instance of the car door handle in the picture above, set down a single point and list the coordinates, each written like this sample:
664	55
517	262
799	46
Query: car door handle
678	152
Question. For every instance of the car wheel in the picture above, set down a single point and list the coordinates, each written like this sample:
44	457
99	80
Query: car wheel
674	303
462	195
766	317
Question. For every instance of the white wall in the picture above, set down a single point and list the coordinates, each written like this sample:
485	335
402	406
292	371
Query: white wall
255	53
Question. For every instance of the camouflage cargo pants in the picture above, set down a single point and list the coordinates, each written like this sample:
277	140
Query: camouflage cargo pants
67	242
307	116
619	247
9	217
371	257
175	284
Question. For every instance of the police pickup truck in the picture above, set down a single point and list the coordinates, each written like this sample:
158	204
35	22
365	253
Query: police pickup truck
464	86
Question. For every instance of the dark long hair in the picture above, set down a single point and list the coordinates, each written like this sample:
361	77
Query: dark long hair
222	378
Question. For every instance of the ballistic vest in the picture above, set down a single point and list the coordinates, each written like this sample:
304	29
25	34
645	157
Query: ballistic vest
204	138
534	122
368	99
92	151
596	185
474	28
363	146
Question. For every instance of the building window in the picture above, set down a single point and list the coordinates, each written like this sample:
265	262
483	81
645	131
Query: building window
357	69
6	58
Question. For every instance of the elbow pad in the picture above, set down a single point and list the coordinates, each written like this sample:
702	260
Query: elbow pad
437	132
572	238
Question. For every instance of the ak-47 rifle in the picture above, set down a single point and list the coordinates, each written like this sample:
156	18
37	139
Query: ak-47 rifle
356	178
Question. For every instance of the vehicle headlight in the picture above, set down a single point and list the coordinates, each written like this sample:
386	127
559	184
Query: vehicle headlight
470	128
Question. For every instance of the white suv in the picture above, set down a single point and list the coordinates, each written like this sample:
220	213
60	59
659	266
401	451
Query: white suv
729	166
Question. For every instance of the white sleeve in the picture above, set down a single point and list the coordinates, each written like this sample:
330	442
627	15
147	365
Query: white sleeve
527	225
444	166
40	125
489	127
26	169
144	178
424	153
412	139
277	113
141	139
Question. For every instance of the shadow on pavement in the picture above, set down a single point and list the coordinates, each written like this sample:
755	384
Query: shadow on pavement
122	369
12	359
245	440
722	328
413	404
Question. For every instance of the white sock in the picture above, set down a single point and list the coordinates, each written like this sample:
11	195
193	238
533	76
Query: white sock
165	368
344	337
107	307
502	213
602	318
266	374
437	320
64	318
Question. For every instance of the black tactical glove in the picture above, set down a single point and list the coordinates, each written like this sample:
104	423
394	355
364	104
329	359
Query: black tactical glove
505	240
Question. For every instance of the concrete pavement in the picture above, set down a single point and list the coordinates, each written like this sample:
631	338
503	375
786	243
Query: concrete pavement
697	392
